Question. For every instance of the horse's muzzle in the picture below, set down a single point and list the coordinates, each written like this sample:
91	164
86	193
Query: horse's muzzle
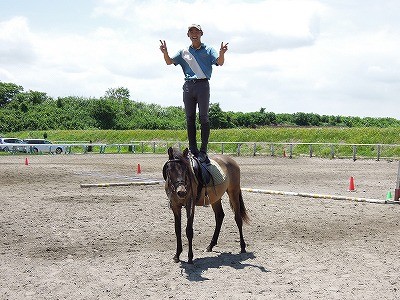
181	191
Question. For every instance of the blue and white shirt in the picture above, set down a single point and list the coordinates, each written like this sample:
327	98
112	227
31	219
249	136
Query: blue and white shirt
196	63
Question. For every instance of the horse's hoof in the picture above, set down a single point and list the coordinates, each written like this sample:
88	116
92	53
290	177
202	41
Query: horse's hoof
209	249
243	251
190	262
176	259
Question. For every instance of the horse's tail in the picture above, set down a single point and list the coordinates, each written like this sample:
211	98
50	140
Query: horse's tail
242	209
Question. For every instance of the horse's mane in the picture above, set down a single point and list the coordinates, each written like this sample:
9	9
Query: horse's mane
178	154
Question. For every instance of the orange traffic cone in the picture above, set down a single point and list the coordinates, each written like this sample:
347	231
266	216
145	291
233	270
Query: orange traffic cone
351	186
138	169
26	161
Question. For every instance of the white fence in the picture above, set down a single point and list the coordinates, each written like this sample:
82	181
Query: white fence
329	150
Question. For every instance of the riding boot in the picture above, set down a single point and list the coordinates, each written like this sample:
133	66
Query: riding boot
205	134
191	132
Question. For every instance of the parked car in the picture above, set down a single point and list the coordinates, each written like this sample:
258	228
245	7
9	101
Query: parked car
12	144
42	145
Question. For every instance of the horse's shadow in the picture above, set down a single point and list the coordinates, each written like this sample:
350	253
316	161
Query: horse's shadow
195	271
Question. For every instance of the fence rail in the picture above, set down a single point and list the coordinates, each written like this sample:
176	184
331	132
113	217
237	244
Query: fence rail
330	150
287	149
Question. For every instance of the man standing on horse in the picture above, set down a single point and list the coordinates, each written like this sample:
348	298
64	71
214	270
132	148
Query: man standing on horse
196	62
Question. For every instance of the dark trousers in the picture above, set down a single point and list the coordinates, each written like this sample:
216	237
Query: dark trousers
197	93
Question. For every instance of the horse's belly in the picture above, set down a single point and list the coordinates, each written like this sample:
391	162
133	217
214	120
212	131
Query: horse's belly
212	194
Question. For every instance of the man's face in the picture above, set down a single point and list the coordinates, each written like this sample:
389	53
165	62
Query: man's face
194	34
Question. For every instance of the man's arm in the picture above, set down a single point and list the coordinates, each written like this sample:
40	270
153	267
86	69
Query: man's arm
221	57
164	50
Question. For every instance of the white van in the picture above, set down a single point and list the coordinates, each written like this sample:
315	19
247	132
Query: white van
12	144
42	145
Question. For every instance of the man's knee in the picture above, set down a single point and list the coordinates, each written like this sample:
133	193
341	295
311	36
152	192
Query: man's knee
204	119
191	119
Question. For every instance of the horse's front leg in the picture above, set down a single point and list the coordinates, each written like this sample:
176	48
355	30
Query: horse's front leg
178	233
189	231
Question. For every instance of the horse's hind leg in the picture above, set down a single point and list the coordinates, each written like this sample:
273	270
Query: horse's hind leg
219	217
237	204
239	223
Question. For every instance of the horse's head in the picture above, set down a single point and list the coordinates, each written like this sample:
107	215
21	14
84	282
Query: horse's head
176	172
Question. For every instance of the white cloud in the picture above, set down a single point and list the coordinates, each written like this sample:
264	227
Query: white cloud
16	44
286	56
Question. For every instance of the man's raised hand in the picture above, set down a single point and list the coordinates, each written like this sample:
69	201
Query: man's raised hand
163	46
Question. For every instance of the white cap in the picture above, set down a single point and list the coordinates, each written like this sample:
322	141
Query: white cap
194	26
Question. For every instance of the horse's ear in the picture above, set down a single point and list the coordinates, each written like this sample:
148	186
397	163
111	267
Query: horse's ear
164	171
170	153
186	152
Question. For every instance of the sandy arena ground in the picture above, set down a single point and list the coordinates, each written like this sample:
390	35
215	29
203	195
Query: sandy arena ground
61	241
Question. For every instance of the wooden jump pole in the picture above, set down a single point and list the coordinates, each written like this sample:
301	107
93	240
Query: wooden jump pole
322	196
88	185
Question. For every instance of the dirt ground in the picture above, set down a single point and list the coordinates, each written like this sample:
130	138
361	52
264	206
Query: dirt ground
61	241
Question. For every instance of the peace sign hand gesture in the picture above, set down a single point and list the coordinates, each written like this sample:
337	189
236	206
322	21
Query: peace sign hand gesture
164	50
223	48
163	47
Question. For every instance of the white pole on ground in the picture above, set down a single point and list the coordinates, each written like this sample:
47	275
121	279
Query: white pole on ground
322	196
109	184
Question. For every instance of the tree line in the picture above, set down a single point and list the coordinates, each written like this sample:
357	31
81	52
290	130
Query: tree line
32	110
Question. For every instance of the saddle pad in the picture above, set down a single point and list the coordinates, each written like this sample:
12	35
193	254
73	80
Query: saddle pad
216	172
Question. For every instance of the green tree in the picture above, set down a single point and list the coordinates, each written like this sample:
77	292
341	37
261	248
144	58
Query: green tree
218	118
104	113
119	93
8	91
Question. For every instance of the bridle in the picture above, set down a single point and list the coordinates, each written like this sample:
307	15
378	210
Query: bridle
175	184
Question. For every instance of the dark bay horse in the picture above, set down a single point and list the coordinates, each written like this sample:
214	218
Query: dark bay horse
184	190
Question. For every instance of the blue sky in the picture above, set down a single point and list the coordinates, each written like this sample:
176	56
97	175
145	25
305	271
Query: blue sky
315	56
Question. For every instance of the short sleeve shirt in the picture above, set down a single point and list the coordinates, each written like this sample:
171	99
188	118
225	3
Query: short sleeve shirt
196	63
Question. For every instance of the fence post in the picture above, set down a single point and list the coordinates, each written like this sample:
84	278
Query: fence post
238	148
311	151
290	150
379	153
354	152
332	151
222	148
254	149
272	147
397	190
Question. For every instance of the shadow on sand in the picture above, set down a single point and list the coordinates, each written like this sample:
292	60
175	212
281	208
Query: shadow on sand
195	272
